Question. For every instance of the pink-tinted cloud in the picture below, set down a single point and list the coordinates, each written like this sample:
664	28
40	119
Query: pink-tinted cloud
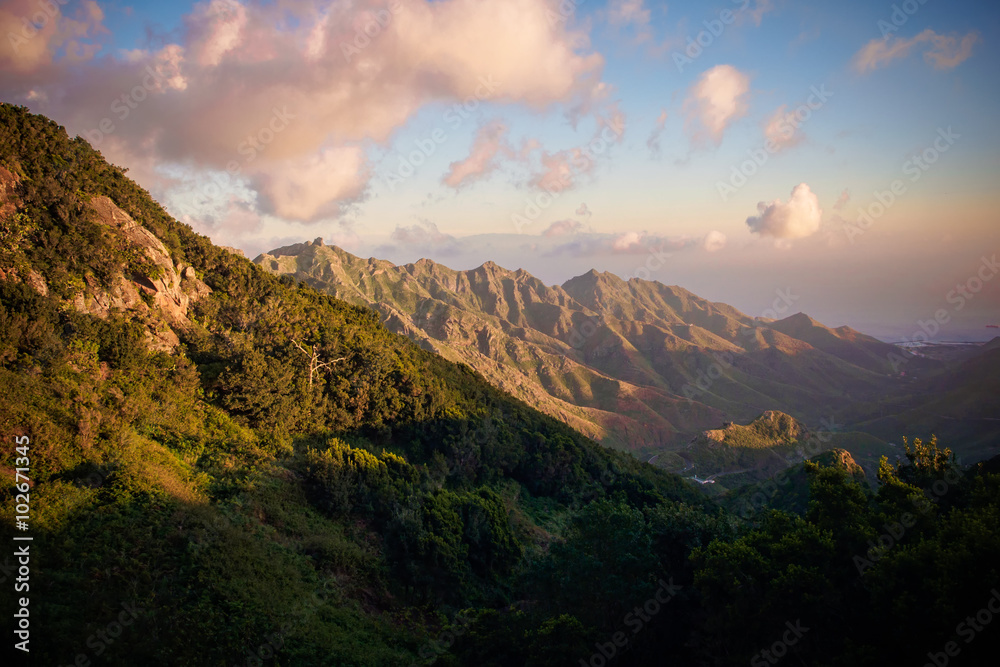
714	102
32	33
714	241
342	74
623	243
423	237
562	227
782	129
797	218
944	51
561	170
482	158
314	186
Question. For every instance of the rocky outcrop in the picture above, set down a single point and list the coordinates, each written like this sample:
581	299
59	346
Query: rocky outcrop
8	186
165	295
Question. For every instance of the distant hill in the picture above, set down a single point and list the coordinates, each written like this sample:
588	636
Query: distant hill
739	454
635	364
960	403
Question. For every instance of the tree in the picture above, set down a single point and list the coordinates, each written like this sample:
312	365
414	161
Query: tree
314	363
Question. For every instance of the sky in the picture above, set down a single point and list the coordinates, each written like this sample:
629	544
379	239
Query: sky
839	159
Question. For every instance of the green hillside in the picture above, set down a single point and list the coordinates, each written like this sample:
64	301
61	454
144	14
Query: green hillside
229	467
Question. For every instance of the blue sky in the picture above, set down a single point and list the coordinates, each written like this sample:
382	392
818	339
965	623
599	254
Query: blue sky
333	122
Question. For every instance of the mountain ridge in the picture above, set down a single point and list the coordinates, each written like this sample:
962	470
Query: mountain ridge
634	363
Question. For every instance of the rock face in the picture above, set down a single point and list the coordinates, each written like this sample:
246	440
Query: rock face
635	364
162	298
8	184
166	296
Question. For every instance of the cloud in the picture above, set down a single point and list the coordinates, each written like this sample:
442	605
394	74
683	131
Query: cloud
623	243
842	200
797	218
315	186
584	211
560	170
625	13
562	227
943	53
347	73
782	129
422	237
482	158
760	8
653	142
215	29
715	101
714	241
33	33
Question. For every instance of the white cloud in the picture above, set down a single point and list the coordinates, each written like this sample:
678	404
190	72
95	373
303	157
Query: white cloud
797	218
714	241
714	102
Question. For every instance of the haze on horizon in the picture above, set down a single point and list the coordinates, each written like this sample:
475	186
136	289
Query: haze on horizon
845	154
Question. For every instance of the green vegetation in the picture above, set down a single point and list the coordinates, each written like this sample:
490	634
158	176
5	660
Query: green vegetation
241	502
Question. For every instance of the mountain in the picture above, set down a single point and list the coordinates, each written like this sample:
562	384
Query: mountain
216	465
737	455
635	364
239	460
959	402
